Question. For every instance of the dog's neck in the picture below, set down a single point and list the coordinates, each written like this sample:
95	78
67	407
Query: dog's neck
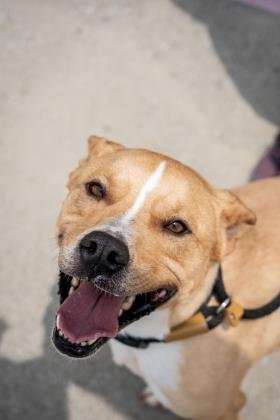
188	303
159	323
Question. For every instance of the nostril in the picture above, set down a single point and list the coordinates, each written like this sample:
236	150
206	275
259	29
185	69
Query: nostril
89	246
114	258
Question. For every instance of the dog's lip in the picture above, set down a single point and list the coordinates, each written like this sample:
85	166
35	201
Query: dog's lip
75	350
142	305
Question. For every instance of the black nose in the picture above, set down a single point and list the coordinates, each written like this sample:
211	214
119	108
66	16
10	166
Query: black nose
101	253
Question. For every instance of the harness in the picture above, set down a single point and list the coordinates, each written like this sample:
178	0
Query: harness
207	317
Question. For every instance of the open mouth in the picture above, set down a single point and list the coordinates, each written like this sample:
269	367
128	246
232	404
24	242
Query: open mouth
88	316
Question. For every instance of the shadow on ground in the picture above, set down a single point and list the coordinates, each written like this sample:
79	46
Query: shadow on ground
247	41
38	388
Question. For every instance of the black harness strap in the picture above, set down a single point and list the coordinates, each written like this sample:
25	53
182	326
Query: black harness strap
263	310
136	342
213	314
221	295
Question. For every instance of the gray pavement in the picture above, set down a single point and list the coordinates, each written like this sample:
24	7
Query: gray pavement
194	79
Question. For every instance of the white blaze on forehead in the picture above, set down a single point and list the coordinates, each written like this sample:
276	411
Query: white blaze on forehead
149	186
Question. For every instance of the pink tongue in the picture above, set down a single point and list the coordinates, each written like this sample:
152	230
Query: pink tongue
89	313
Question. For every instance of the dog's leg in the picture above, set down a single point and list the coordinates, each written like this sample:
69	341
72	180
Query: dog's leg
149	398
233	411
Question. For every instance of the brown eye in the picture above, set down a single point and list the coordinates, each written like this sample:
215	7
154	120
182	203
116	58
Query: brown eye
177	227
96	190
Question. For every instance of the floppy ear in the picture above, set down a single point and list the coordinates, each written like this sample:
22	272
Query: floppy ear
233	215
98	146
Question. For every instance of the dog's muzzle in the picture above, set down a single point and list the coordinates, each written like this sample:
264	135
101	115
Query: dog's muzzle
95	304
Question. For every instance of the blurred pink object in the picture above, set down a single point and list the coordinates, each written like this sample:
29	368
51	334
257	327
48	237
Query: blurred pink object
269	164
270	5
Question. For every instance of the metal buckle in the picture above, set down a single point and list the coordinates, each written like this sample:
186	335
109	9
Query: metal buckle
223	305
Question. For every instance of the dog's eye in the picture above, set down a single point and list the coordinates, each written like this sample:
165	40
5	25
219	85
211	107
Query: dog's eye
95	189
177	227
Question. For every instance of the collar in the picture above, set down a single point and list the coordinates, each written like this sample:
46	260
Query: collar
207	317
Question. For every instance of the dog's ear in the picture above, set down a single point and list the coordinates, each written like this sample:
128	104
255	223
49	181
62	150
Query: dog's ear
233	216
98	146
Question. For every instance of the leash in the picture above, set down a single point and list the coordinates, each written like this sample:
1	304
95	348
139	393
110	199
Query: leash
207	317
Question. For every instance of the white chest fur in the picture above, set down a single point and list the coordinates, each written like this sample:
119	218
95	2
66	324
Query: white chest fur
159	364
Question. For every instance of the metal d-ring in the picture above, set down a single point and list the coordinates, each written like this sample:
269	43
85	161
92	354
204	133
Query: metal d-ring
223	305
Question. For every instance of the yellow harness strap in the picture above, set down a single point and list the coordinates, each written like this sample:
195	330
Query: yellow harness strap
195	325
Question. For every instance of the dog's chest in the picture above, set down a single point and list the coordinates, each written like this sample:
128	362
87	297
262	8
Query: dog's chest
159	364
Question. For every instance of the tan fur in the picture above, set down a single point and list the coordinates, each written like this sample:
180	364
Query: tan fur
223	230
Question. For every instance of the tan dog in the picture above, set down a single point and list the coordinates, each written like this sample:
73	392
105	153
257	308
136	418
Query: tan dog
140	232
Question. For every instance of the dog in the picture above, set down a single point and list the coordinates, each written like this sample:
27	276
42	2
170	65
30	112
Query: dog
145	243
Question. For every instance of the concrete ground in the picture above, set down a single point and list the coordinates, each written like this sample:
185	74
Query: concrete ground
194	79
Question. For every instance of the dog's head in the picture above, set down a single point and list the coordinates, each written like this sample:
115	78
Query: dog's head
136	231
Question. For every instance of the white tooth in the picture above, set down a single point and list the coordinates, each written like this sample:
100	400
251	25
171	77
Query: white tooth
83	343
71	290
60	333
57	321
121	312
75	282
92	341
128	303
